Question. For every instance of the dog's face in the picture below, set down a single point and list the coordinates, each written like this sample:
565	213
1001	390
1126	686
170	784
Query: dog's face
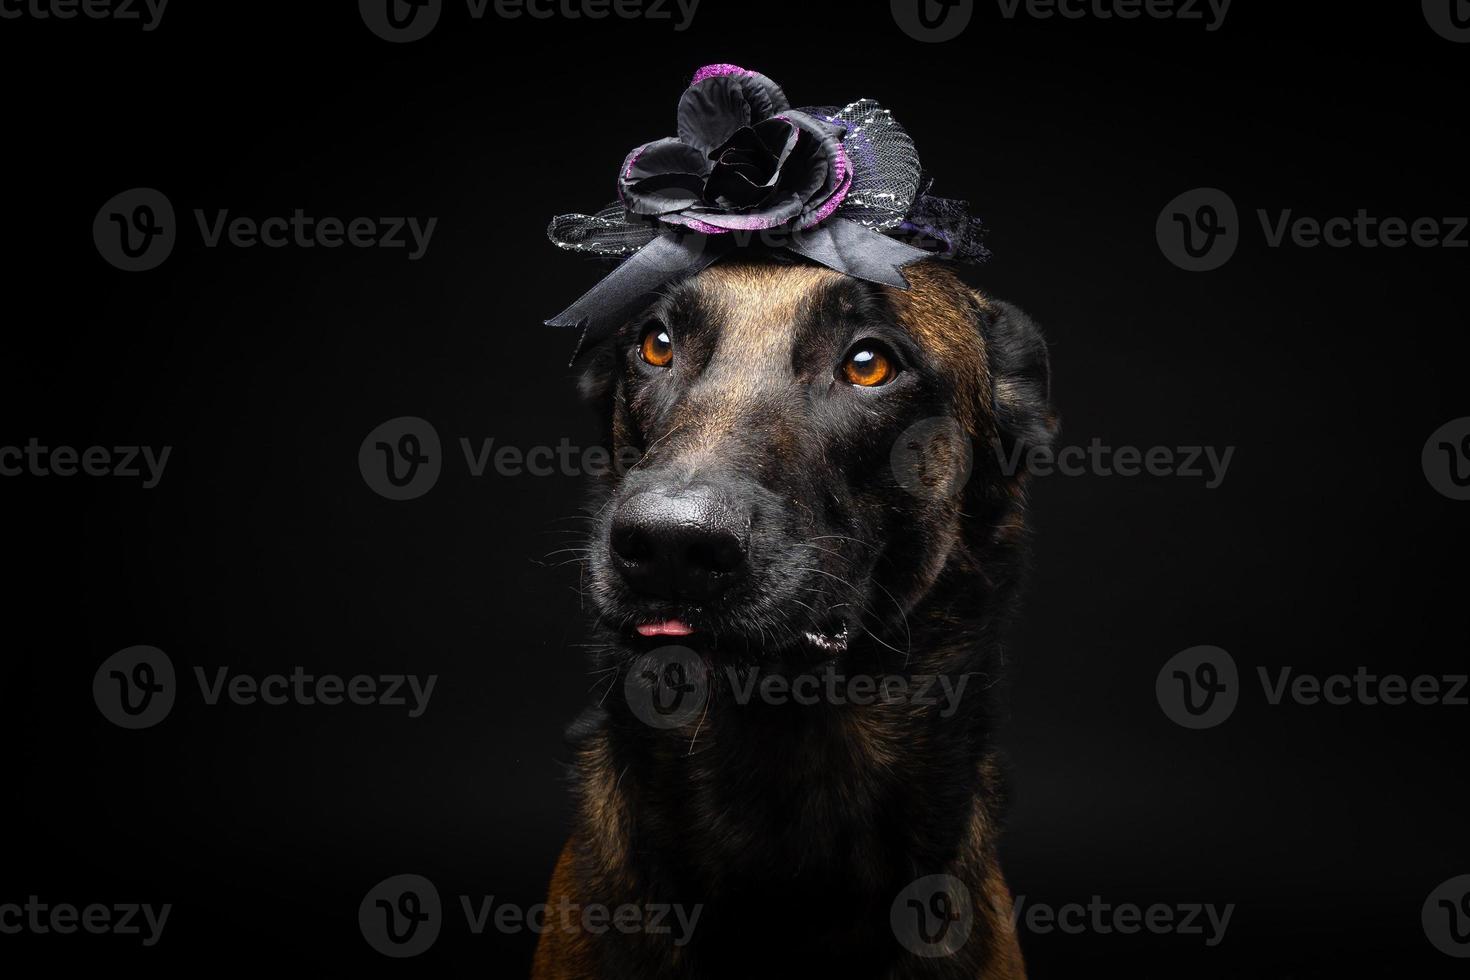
812	447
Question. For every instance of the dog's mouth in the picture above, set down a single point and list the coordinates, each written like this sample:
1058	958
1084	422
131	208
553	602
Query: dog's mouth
666	627
824	643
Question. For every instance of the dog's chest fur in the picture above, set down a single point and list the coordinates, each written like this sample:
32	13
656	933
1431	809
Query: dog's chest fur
794	827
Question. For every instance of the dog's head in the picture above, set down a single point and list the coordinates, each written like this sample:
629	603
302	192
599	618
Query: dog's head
814	453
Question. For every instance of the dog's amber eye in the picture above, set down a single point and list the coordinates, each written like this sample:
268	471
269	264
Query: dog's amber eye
868	366
657	348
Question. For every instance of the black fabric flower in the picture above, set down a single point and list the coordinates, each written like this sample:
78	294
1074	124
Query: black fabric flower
744	160
840	187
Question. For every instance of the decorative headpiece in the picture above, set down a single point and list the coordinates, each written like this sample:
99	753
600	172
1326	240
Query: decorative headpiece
841	187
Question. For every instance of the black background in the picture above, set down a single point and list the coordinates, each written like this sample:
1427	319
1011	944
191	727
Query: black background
263	549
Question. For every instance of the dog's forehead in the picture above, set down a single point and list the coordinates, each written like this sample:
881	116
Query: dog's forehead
758	311
775	286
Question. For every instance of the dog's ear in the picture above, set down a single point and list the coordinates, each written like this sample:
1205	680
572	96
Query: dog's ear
1020	378
596	369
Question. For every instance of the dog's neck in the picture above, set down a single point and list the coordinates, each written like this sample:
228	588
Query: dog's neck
842	804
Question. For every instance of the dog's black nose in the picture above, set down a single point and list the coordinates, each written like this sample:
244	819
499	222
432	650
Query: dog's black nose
683	544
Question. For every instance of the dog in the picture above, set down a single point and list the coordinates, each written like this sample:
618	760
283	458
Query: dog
820	494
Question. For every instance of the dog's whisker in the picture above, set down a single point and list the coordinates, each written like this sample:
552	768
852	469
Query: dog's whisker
647	453
825	551
814	622
567	551
612	682
903	617
697	728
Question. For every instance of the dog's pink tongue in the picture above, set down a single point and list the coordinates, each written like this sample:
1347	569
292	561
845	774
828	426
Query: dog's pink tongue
669	627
